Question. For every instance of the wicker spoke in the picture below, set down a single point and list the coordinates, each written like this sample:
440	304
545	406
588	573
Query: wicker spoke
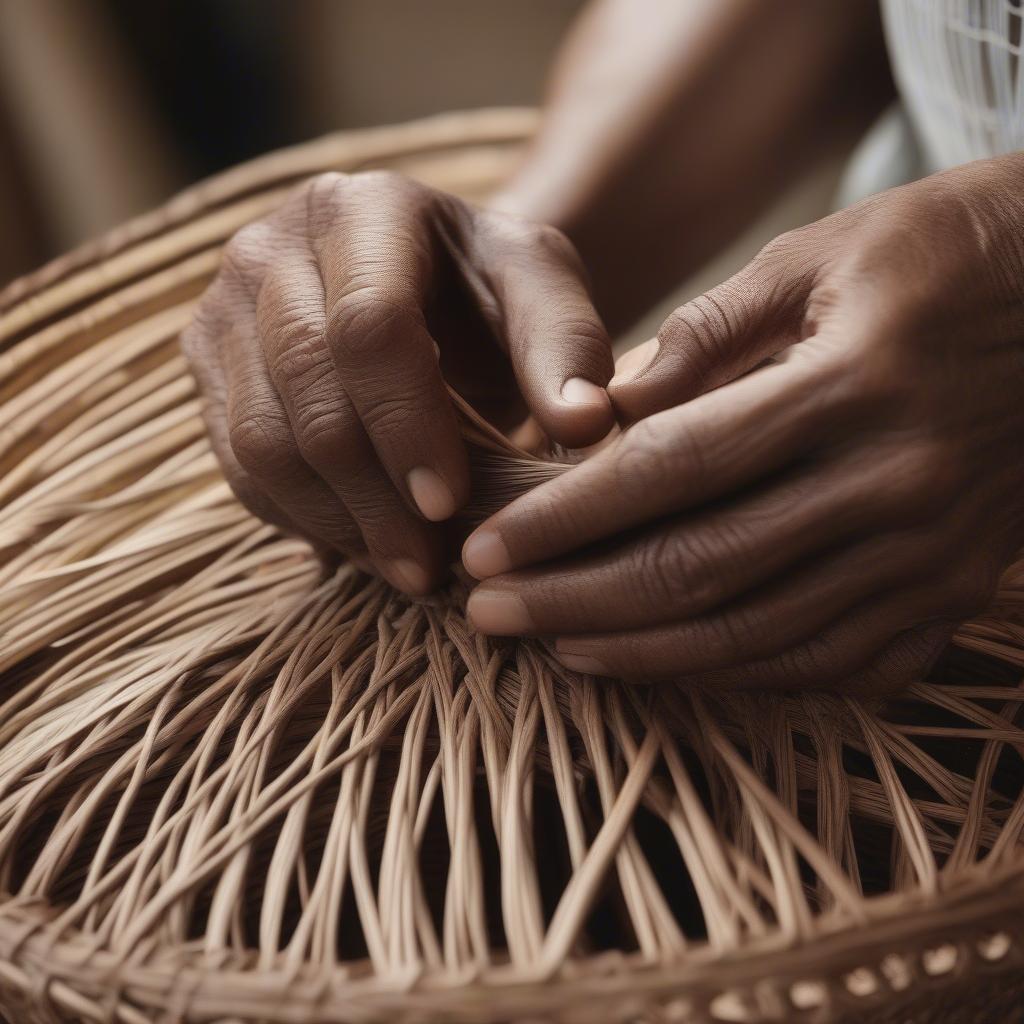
232	788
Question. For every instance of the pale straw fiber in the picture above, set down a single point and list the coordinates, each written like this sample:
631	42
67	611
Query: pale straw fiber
234	790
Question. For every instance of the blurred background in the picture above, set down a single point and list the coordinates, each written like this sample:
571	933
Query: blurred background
107	107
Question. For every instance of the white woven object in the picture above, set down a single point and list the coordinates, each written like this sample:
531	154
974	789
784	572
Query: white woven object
958	66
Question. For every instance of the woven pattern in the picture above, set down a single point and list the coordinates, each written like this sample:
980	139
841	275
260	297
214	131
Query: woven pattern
234	790
958	64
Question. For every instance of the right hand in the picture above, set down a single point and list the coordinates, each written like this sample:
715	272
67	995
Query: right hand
323	347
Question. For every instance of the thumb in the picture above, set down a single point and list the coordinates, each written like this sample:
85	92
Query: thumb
711	340
560	349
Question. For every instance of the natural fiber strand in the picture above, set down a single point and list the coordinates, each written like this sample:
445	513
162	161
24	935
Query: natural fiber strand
232	789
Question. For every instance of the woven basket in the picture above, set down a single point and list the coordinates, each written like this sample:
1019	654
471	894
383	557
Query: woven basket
232	790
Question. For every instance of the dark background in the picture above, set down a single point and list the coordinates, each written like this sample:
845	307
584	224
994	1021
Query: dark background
109	106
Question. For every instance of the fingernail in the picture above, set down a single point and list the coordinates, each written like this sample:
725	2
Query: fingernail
577	391
582	663
634	362
432	495
407	575
484	554
498	613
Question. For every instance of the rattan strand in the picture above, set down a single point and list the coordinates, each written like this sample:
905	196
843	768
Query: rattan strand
233	790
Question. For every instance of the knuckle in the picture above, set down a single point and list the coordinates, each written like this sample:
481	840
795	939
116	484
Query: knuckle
298	361
524	242
640	457
883	678
565	512
322	198
530	234
676	328
326	184
716	553
320	435
686	451
334	193
361	320
333	523
285	305
260	442
796	251
905	661
572	323
379	521
246	492
827	297
549	239
695	573
659	571
692	571
701	330
393	415
818	663
246	251
300	365
740	631
210	317
777	250
384	178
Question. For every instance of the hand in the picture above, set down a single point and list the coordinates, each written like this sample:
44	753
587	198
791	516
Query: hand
323	346
825	519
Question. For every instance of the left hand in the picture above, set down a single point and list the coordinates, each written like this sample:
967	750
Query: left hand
827	519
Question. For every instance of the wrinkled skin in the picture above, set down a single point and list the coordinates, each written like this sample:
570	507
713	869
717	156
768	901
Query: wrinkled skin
822	470
323	347
314	348
824	520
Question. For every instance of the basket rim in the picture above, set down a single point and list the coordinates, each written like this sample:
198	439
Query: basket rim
73	970
980	903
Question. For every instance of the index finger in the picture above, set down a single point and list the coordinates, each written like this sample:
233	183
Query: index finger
671	461
377	265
